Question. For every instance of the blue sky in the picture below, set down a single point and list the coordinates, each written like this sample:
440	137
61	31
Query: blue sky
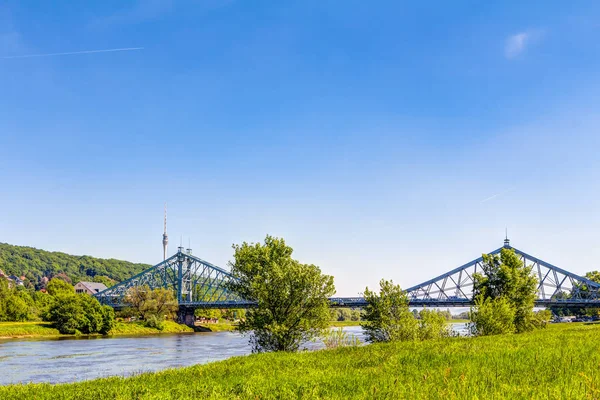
380	139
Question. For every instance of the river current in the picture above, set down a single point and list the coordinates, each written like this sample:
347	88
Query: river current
75	359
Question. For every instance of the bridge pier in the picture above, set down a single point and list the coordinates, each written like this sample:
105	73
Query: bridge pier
185	315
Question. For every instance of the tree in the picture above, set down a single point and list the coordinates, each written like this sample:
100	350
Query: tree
492	316
73	313
292	298
387	317
58	286
159	303
505	276
432	325
65	313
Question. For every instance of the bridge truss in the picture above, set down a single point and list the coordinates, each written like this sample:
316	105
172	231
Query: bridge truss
200	284
197	283
556	286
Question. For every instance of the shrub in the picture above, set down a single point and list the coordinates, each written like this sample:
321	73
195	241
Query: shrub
492	317
334	338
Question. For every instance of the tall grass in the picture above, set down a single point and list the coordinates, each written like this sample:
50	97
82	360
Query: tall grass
561	362
45	329
27	329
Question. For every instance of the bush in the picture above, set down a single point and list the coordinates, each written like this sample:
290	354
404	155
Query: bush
387	317
432	325
334	338
155	322
492	317
73	313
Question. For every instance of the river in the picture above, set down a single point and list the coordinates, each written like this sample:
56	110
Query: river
76	359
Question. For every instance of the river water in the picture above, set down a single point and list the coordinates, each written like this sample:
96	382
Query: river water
75	359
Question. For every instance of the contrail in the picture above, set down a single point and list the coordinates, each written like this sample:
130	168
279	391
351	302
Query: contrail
497	194
75	52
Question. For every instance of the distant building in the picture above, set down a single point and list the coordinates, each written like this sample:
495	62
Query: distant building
89	287
17	280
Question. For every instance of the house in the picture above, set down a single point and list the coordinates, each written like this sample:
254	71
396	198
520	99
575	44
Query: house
17	280
90	288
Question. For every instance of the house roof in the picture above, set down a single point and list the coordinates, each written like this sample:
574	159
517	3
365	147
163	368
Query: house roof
95	287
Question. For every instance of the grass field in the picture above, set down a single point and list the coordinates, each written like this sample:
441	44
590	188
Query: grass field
27	329
45	329
560	362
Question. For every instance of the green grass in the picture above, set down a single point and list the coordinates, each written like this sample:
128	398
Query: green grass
219	326
561	362
357	323
45	329
344	323
138	328
27	329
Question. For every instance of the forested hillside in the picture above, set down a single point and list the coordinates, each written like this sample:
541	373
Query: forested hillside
36	264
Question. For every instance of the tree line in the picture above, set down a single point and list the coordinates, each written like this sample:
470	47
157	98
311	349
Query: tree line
39	266
68	311
292	305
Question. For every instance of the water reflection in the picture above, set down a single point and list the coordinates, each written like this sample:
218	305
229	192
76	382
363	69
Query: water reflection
75	359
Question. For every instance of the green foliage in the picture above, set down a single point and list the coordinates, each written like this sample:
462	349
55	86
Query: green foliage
387	317
209	313
292	297
560	362
80	313
15	303
505	276
146	303
57	287
153	321
36	264
542	317
432	325
334	338
492	316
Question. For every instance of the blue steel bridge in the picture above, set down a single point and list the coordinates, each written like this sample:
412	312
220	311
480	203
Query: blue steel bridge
200	284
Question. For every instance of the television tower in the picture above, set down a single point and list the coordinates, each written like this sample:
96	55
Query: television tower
165	237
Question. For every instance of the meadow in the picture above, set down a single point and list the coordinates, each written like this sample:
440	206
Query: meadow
560	362
45	329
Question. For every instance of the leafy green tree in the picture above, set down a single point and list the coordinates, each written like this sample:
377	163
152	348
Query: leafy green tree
159	303
356	315
73	313
16	308
292	298
432	325
58	286
492	316
108	320
387	317
66	313
505	276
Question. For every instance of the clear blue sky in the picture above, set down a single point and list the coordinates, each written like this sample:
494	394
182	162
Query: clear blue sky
380	139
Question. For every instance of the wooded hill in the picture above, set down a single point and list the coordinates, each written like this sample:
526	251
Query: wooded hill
36	264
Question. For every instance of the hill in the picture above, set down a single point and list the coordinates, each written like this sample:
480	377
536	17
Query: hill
36	264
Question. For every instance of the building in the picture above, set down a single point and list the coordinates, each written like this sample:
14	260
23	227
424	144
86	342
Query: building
89	287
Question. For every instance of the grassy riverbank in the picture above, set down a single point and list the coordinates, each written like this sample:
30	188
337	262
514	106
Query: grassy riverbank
560	362
45	329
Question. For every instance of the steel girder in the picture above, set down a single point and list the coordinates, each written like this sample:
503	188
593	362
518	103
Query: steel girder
556	286
200	284
196	282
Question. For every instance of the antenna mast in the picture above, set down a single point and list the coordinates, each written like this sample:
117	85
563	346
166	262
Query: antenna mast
165	237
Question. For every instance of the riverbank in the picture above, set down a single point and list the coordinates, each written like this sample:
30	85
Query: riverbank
14	330
558	362
17	330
